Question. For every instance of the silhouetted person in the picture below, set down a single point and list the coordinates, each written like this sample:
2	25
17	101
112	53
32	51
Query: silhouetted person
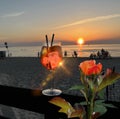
65	53
38	54
75	54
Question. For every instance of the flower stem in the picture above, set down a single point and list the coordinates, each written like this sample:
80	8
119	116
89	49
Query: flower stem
90	106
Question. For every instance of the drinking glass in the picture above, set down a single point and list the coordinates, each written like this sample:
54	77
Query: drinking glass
50	58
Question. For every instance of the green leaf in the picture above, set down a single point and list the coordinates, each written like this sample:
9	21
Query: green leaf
99	101
108	80
102	102
90	83
99	80
77	87
100	108
101	94
81	103
109	105
65	106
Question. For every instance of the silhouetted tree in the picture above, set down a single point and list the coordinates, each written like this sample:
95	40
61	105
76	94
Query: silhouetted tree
6	45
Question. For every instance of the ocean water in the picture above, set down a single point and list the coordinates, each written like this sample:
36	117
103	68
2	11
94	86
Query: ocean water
82	50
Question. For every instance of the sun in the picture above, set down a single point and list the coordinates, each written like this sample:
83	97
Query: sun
80	41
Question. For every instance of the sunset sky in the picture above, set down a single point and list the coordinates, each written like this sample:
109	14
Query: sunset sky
31	20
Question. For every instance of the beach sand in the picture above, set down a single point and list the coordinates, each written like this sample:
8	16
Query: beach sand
27	72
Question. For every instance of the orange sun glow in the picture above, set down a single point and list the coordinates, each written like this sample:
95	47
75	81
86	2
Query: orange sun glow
80	41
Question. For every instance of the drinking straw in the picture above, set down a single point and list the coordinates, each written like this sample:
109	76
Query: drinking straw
47	41
52	40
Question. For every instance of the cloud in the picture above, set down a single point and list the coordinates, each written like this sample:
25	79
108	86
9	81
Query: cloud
13	15
99	18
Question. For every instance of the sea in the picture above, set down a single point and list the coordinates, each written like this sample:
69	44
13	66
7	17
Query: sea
82	50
